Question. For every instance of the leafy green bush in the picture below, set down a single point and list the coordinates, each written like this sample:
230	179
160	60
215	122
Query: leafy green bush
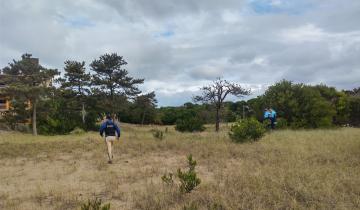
95	204
247	130
189	124
266	123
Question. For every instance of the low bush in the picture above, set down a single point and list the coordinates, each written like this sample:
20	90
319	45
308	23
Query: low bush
188	179
190	125
247	130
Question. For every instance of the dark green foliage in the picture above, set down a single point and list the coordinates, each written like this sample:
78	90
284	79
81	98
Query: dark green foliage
354	106
354	111
247	130
188	179
168	115
303	106
95	204
60	114
281	123
112	80
77	81
190	124
143	109
28	79
188	119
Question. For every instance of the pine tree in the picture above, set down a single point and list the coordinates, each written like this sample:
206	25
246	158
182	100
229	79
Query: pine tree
112	80
28	79
78	81
146	104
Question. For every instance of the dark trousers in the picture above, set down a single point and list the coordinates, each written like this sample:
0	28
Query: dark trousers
272	120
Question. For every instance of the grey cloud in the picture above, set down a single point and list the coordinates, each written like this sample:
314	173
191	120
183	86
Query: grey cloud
163	10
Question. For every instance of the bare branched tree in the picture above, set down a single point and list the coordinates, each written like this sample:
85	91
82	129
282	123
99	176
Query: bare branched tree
216	93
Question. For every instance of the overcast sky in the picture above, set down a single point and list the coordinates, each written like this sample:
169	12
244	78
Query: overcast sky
178	46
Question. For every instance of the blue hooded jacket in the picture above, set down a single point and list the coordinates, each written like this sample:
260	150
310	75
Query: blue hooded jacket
267	114
110	128
273	113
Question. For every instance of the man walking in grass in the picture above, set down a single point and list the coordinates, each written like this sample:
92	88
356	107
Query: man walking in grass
110	131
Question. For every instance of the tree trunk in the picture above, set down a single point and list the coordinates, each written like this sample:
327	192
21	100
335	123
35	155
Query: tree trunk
143	118
34	118
83	112
217	123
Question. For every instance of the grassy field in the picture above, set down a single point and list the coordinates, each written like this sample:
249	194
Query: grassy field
316	169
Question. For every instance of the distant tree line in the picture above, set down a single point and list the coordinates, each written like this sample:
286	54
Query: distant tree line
297	106
56	104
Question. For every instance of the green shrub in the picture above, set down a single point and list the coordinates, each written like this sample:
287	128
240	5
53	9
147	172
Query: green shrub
281	123
95	204
247	130
188	179
266	123
190	124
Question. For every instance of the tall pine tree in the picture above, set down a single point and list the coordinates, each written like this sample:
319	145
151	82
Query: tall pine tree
28	79
112	80
78	81
146	104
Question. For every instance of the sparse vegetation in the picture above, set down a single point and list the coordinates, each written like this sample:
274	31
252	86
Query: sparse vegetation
158	134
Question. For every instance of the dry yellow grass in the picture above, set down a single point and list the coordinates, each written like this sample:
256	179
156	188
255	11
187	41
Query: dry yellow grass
317	169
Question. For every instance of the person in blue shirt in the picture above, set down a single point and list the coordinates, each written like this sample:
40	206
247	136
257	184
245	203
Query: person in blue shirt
267	114
272	117
110	131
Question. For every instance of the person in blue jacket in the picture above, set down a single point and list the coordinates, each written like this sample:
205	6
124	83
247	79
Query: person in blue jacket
272	118
267	114
110	131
